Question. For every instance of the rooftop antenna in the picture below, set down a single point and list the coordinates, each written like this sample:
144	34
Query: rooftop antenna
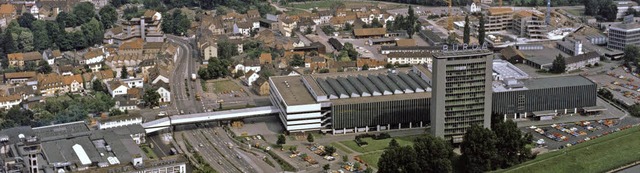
547	18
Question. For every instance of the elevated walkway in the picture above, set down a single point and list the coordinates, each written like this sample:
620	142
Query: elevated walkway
166	122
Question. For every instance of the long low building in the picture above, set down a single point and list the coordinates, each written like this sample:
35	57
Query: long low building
353	101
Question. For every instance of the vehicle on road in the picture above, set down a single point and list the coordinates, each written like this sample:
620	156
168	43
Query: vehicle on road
198	96
201	145
162	113
193	76
181	111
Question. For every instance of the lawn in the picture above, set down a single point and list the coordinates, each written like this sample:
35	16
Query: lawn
313	4
371	158
599	155
376	145
341	147
222	86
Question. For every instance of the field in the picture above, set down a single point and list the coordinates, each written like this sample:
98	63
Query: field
376	145
222	86
327	4
313	4
341	147
371	158
598	155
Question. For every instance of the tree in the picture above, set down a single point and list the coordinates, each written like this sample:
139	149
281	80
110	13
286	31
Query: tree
40	32
351	51
478	149
345	158
398	160
375	23
433	154
467	31
44	68
9	45
151	97
411	22
558	65
608	10
388	66
26	20
93	32
481	30
25	41
631	11
281	140
365	67
84	11
605	93
347	26
124	73
634	110
118	3
631	53
53	30
326	167
108	16
227	50
329	150
393	143
511	144
310	137
98	86
297	61
65	19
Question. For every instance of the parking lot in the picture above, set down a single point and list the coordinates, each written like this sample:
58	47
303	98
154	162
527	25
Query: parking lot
622	84
557	136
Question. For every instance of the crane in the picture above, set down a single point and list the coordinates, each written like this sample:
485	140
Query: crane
450	22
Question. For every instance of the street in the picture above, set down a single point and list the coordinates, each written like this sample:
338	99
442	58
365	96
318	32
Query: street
182	87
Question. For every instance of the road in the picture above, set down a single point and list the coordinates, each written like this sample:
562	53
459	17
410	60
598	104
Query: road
183	89
208	152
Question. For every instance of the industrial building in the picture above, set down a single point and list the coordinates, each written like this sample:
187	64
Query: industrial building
353	101
498	19
530	24
461	92
543	97
623	34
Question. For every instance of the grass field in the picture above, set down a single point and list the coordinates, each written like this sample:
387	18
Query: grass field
222	86
377	145
371	158
313	4
599	155
341	147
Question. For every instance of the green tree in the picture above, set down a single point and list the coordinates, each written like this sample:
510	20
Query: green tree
40	32
98	86
26	20
393	143
65	19
226	50
329	150
433	154
478	149
9	43
216	68
53	30
398	160
605	93
326	167
44	68
511	144
118	3
310	138
631	53
481	30
351	51
281	140
297	61
375	23
558	65
412	19
93	32
84	11
347	26
634	110
124	73
365	67
25	41
108	16
308	31
466	37
151	97
345	158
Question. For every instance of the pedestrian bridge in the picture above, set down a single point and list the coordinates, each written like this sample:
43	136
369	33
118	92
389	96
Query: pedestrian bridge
166	122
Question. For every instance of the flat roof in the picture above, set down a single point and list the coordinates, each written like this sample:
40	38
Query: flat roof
384	98
292	90
560	81
508	70
460	53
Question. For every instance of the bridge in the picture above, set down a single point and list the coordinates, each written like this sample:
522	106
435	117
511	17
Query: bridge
166	122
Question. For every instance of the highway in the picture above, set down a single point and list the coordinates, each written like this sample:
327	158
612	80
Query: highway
182	87
208	152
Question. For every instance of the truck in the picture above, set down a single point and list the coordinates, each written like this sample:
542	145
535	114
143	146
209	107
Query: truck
193	76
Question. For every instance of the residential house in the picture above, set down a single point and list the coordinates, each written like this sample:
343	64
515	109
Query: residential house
123	103
73	83
373	64
147	27
164	90
50	84
243	28
7	102
65	70
133	82
288	26
261	86
250	77
582	61
307	23
98	4
338	22
248	65
152	48
19	77
412	58
315	62
239	44
158	74
252	14
117	88
8	11
325	16
27	90
114	35
289	71
93	57
265	58
20	59
133	47
51	55
105	75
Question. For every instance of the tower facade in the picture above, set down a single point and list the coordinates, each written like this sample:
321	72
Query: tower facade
461	95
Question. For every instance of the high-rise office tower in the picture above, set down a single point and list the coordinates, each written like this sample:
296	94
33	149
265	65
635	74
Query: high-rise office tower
461	93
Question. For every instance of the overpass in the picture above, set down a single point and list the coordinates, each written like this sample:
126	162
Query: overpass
166	122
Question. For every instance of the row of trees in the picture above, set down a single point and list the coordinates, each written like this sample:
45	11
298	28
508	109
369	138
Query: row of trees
408	23
604	9
176	23
466	37
479	151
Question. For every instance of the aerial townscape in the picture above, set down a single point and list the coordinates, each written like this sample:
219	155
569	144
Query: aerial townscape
319	86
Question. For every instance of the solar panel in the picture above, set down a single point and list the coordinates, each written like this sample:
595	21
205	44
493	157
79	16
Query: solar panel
348	87
370	86
338	88
327	88
359	86
410	82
